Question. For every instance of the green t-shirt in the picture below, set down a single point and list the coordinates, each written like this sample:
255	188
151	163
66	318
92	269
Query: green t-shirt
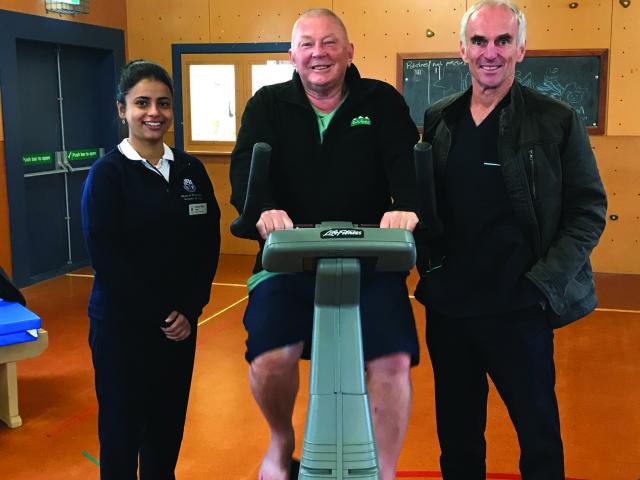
324	119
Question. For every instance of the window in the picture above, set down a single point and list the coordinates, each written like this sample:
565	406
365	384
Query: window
212	102
273	71
215	90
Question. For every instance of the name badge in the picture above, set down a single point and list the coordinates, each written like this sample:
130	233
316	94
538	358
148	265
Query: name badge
197	209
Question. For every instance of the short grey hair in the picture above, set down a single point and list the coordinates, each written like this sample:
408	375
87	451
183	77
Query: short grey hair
522	21
319	12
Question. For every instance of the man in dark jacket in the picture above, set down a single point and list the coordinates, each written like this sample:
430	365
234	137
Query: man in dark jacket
342	150
523	206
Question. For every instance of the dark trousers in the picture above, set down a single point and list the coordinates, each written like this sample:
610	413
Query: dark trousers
516	351
142	384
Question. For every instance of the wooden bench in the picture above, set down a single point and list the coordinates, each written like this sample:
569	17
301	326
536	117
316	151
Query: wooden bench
9	355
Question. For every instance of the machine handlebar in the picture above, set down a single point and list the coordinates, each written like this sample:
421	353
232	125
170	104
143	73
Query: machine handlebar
245	225
425	177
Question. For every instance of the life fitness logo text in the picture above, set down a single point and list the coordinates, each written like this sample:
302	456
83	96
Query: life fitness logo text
342	233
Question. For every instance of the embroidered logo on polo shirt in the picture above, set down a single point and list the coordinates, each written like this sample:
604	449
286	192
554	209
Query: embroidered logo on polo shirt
360	120
188	185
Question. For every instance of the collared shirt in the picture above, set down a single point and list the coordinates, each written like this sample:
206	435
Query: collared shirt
163	167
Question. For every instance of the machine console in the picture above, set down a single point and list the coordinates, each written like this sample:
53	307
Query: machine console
299	249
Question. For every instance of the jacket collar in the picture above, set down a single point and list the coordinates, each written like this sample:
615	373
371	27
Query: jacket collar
454	108
514	112
456	105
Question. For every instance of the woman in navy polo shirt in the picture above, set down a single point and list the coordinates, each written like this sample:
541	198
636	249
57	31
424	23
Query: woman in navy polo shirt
152	227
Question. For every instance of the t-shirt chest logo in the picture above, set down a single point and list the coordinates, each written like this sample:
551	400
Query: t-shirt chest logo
360	120
188	185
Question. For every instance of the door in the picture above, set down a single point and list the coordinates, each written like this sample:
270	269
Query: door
67	118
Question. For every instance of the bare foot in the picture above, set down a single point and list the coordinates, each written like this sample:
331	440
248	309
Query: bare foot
277	461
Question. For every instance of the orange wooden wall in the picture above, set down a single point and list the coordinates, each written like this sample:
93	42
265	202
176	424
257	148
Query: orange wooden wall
383	28
105	13
379	31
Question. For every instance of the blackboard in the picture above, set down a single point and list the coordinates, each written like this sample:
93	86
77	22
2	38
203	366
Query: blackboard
577	77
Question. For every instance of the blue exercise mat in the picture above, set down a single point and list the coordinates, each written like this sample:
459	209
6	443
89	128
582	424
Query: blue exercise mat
17	324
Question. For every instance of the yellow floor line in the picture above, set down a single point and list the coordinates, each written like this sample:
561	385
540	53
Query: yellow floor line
615	310
243	285
612	310
223	310
86	275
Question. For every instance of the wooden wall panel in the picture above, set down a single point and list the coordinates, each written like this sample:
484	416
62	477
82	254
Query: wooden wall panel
619	249
552	24
112	13
218	169
379	30
250	21
153	27
624	79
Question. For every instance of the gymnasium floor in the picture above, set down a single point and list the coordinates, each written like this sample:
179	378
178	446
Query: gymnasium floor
598	386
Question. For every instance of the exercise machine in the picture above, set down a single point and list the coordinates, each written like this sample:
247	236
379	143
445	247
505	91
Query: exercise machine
339	440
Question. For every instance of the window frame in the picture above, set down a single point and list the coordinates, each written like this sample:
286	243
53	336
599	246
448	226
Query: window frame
243	56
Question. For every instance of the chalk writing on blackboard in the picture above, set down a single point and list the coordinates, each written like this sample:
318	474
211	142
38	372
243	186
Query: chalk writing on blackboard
574	79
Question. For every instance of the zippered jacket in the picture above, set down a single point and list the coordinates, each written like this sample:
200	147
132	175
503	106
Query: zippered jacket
554	186
153	244
362	168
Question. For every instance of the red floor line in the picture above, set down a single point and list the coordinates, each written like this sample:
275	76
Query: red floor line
65	424
418	474
490	476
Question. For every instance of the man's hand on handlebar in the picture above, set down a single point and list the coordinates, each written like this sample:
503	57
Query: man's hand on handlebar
271	220
398	219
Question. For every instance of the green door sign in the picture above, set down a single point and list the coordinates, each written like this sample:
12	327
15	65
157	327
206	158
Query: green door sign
42	158
86	154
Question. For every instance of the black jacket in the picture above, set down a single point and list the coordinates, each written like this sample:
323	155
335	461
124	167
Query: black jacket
552	180
362	168
151	246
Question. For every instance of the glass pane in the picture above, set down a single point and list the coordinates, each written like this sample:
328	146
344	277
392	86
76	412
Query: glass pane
213	102
274	71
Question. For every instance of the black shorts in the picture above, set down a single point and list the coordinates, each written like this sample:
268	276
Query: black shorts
280	313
